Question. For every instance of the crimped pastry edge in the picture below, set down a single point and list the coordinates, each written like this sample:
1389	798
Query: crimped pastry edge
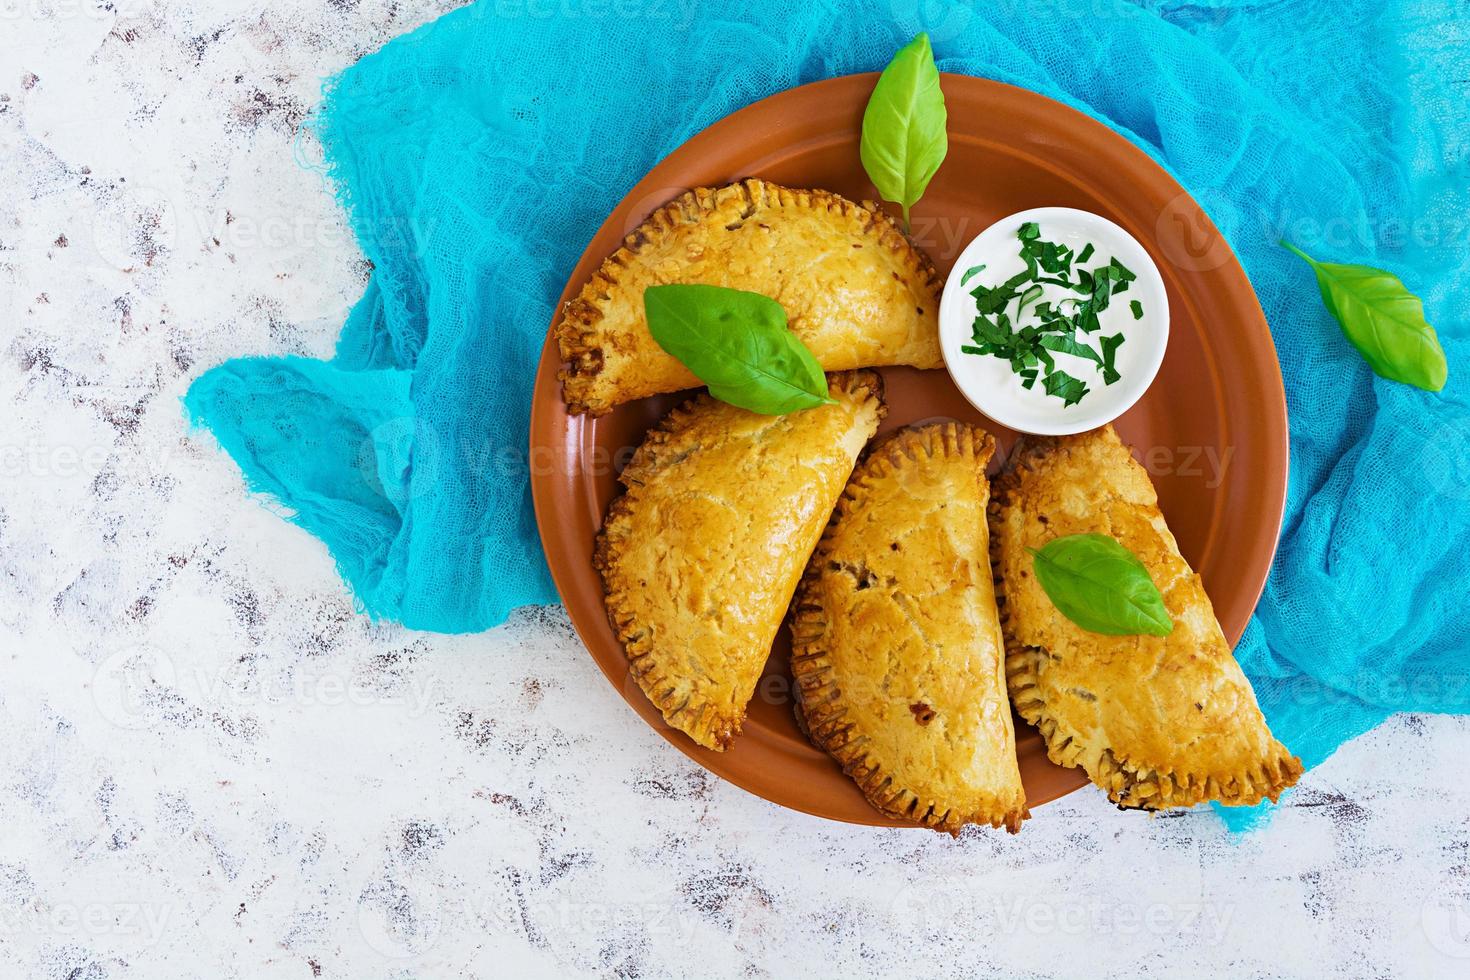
577	335
1128	784
704	723
826	723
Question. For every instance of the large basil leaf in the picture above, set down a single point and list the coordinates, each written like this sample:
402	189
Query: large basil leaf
737	343
1101	586
904	139
1383	320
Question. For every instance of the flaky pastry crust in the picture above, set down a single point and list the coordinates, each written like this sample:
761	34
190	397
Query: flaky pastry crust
856	291
896	645
701	553
1156	722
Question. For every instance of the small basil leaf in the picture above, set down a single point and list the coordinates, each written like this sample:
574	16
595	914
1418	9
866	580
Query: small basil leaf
738	344
1383	320
1101	586
904	138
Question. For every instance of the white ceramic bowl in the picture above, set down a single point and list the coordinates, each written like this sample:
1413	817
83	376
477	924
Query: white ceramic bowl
988	383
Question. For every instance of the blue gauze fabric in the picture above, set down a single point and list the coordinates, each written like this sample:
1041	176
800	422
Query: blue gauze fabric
477	156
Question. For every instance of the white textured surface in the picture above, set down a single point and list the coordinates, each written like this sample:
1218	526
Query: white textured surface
210	767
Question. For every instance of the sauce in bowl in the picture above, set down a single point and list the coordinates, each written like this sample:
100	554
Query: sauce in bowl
1054	321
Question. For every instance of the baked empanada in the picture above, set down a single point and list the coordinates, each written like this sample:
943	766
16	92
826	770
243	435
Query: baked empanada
855	290
1156	721
896	646
699	557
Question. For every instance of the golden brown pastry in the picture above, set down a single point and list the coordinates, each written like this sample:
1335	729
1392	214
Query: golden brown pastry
855	290
699	557
896	646
1156	721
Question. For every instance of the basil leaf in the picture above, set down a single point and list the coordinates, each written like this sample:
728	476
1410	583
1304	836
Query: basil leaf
1383	320
904	139
1101	586
737	343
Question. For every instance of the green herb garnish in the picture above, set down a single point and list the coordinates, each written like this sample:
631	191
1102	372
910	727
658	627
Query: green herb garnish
1101	586
1383	320
738	344
1110	347
1065	387
972	273
904	136
1035	328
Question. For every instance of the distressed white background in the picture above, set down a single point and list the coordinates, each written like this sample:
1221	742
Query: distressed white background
210	767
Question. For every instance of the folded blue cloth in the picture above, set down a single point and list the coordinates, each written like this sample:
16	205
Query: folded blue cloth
477	155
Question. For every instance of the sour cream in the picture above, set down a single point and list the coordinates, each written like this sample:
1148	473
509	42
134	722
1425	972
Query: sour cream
989	383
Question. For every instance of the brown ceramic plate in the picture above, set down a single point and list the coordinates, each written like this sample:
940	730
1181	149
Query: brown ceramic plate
1211	430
